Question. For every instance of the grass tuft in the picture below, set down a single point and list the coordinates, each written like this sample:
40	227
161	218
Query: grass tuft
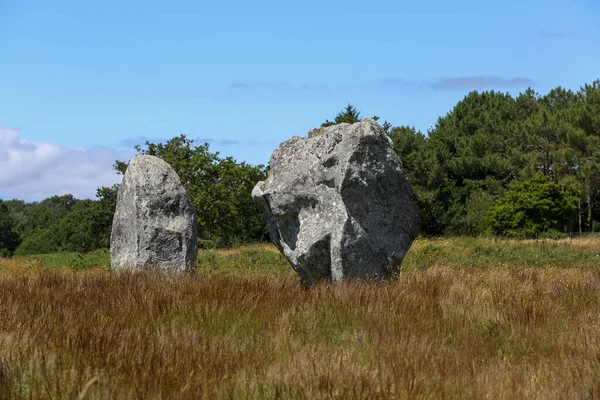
468	318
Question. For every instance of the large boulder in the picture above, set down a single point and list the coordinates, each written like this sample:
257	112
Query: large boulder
337	204
154	226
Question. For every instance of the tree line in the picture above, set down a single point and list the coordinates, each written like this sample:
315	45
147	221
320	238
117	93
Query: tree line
219	188
494	165
503	165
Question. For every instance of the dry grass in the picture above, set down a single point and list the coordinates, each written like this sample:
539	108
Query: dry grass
449	327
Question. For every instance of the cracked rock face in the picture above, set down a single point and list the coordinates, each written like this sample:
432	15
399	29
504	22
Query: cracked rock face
154	226
337	204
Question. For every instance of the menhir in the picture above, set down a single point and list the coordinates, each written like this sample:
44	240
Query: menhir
337	204
154	225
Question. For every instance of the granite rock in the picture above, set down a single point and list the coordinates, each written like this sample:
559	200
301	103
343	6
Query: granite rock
337	204
154	225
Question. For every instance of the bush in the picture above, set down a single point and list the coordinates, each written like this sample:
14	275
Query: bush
536	205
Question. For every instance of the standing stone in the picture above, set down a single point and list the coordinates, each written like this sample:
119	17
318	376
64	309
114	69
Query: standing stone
337	204
155	223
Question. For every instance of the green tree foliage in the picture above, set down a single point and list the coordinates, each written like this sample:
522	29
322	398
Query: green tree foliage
494	164
535	205
350	115
219	188
490	140
103	212
62	223
587	114
469	157
9	239
422	168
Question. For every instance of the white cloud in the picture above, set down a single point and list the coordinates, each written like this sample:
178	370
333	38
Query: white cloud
34	170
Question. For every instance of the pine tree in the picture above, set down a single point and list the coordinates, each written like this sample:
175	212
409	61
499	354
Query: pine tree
349	115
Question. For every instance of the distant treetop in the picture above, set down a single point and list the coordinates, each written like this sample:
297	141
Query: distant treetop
349	115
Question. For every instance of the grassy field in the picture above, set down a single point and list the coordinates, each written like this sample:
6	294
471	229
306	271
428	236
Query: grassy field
467	318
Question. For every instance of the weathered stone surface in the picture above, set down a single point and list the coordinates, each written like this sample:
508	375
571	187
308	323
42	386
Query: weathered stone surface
338	205
154	224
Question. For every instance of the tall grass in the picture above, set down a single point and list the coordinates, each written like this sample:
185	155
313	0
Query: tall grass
466	319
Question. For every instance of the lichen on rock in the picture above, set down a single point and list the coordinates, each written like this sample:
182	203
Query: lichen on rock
337	204
154	226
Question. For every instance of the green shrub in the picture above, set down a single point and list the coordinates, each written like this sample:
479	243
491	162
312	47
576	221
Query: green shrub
536	205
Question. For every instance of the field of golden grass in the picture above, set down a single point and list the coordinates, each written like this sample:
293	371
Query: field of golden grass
467	318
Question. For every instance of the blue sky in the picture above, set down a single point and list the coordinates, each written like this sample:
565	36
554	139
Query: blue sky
82	82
